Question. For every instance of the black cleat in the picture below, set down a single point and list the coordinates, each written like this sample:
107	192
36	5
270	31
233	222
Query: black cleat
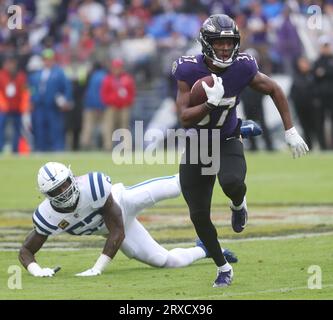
239	219
223	279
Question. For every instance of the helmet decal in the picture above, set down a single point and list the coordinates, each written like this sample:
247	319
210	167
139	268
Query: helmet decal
49	173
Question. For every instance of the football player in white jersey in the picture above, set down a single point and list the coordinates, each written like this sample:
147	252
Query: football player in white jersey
90	204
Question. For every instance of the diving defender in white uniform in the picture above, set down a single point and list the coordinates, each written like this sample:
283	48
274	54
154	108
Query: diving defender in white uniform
90	204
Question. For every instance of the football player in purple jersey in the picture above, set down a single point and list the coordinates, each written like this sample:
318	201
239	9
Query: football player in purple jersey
232	71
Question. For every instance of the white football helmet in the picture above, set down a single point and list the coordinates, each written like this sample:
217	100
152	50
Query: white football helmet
51	176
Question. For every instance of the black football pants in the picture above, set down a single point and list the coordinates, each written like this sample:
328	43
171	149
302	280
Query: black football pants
197	190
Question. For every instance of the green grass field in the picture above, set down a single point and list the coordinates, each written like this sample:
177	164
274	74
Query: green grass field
274	269
290	229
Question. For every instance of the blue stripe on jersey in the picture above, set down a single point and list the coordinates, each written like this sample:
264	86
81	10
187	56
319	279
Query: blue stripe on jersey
41	228
100	184
149	181
49	173
92	186
42	220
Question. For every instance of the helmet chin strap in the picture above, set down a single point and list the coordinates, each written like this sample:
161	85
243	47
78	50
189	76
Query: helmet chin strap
221	64
224	64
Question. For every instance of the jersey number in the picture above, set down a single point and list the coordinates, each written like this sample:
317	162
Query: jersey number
226	102
84	224
192	59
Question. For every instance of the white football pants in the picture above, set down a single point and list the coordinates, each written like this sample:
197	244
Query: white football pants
138	243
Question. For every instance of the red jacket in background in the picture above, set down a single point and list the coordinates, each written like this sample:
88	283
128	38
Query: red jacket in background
118	92
14	95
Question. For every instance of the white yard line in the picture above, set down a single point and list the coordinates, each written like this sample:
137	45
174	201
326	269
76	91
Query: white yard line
65	246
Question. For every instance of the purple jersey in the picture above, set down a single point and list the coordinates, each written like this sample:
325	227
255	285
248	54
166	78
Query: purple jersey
235	79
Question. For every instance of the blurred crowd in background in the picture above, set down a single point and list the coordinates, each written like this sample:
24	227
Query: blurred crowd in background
78	70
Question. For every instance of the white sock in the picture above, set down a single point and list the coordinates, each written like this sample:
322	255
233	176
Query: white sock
241	206
226	267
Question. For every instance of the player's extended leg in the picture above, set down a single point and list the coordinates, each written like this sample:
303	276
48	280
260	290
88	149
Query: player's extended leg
231	178
197	190
146	194
140	245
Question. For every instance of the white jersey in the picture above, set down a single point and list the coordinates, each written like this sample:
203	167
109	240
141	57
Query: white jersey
95	188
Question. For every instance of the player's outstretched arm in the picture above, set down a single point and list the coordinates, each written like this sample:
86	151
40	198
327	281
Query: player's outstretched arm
114	222
31	245
266	85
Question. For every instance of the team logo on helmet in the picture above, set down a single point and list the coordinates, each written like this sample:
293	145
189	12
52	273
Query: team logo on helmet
211	27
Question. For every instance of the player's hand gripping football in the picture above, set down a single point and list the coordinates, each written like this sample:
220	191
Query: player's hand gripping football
214	93
296	143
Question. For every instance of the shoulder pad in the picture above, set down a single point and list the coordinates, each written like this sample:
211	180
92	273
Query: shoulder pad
42	225
100	184
180	66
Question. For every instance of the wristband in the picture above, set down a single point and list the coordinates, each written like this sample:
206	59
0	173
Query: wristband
102	262
34	268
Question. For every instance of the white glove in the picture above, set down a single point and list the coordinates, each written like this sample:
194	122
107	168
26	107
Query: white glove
296	143
37	271
89	273
214	93
46	272
98	268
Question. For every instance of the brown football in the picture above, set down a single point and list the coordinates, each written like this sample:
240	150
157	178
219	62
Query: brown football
198	93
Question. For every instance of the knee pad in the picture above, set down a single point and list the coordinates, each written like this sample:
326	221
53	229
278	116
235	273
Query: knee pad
174	259
157	260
